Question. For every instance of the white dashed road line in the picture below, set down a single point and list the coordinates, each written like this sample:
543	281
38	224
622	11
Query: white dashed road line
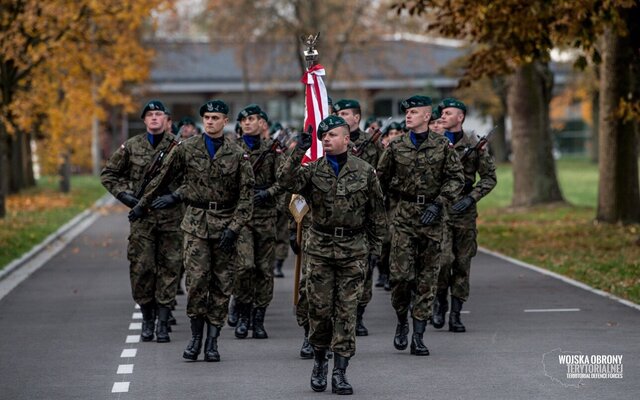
120	387
129	353
127	369
552	310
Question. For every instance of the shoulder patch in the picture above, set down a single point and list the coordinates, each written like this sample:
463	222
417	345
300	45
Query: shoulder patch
245	156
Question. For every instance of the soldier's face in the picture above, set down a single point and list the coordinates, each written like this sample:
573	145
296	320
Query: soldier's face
336	141
186	131
250	125
155	121
351	118
393	133
417	118
214	123
452	119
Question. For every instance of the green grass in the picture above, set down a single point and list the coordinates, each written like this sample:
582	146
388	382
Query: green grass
37	212
564	238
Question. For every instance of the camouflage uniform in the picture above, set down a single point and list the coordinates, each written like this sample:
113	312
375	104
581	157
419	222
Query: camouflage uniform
371	155
413	178
350	206
155	242
462	226
256	243
282	227
218	193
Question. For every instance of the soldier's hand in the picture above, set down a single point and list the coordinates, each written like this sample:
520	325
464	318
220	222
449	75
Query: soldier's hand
136	213
165	201
127	199
261	197
466	202
304	141
374	260
293	242
431	214
227	240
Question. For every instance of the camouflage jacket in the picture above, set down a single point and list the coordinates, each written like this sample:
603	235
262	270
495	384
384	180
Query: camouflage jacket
351	201
413	178
371	153
481	163
125	169
225	183
265	177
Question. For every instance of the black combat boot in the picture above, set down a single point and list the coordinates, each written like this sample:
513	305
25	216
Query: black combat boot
277	271
361	330
162	330
306	351
455	325
211	344
148	321
417	346
382	278
320	370
258	323
400	341
195	344
387	284
232	319
242	328
440	308
339	383
252	314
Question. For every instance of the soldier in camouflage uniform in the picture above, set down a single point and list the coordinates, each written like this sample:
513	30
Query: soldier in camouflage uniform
347	224
154	243
216	184
350	111
462	215
421	173
256	245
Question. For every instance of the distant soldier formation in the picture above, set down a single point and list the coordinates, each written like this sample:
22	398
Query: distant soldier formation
399	198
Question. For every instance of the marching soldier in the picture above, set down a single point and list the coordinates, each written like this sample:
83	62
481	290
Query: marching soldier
350	111
462	215
256	245
347	223
421	174
216	184
154	249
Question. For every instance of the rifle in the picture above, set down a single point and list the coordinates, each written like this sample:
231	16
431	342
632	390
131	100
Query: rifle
260	160
480	145
377	132
154	167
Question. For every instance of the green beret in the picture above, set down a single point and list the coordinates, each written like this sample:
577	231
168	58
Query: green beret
153	105
436	113
415	101
251	109
451	102
394	125
263	115
345	104
218	106
329	123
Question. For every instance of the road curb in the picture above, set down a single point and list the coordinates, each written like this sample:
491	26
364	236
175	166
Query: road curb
563	278
14	265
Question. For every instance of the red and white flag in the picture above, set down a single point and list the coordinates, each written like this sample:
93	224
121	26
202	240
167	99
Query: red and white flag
316	109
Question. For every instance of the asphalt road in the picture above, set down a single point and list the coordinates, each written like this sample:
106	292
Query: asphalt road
64	335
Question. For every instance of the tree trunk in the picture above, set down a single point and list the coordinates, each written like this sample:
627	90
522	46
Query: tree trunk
534	172
4	168
618	188
65	173
498	143
29	178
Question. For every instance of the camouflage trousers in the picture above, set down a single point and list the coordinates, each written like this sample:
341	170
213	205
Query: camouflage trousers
455	273
254	279
367	288
414	269
209	279
302	308
333	289
282	236
383	267
155	255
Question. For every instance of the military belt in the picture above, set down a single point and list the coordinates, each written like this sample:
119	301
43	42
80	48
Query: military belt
337	231
212	205
412	198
